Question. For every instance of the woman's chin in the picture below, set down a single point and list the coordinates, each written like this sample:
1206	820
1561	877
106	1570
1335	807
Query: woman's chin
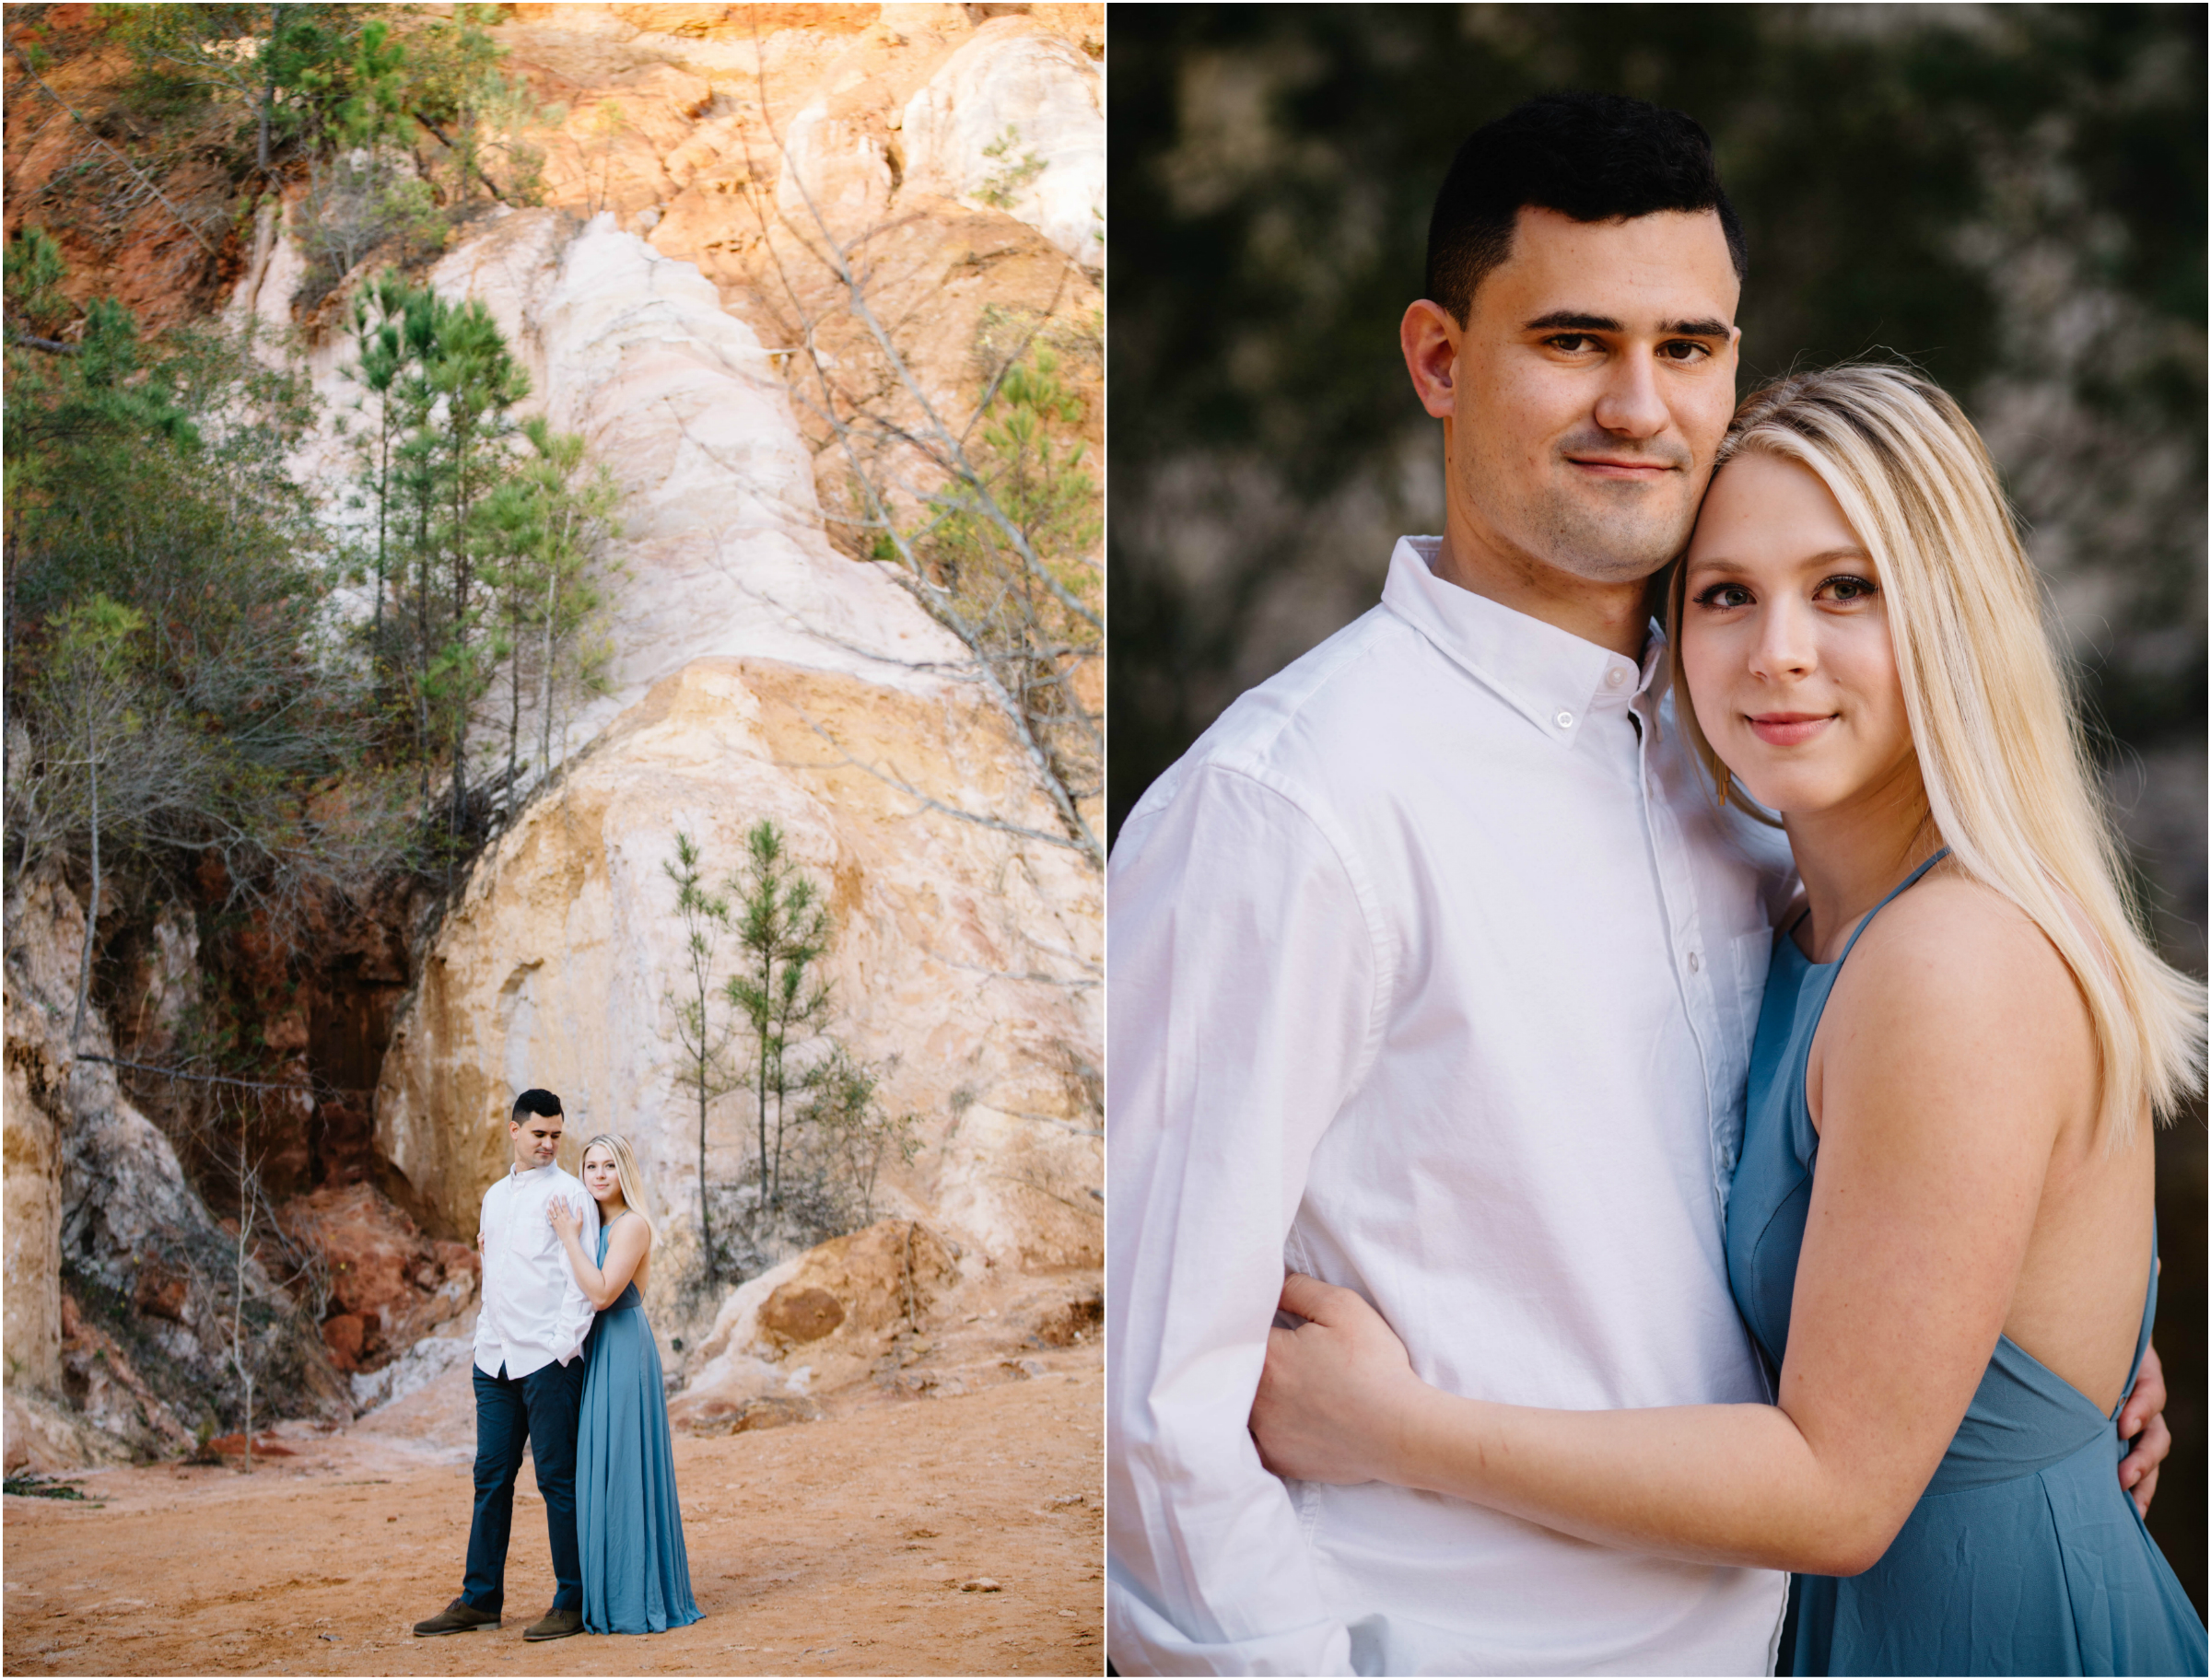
1786	796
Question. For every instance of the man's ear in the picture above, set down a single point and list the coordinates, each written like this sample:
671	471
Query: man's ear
1430	339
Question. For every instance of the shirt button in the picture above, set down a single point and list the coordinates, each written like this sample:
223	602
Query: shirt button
1616	676
1695	962
1565	720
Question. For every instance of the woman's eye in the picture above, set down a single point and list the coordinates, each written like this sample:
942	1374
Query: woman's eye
1849	589
1720	597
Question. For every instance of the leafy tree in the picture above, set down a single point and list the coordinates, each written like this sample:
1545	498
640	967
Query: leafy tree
287	64
783	933
705	918
444	384
153	477
387	351
852	1127
36	309
90	701
476	382
550	523
456	88
1016	615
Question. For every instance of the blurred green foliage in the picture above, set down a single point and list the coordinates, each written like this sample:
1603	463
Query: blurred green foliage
2011	197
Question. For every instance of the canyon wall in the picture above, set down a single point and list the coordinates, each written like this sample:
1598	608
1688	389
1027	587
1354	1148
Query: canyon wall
699	162
759	672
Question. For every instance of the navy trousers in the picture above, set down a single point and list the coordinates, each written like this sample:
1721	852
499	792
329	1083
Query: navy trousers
540	1408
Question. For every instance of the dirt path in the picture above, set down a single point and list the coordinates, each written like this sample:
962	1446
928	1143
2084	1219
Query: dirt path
832	1548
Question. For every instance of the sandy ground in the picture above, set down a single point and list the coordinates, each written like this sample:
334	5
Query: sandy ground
836	1548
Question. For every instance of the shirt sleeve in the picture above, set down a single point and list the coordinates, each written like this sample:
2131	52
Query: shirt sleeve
574	1321
487	1339
1241	1015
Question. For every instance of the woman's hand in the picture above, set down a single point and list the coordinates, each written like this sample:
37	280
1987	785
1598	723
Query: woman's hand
567	1222
1333	1396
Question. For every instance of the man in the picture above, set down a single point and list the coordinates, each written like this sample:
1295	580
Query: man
529	1375
1434	966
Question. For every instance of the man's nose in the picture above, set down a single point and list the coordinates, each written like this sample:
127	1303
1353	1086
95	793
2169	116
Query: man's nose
1630	405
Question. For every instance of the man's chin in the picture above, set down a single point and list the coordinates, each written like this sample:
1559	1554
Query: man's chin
1602	547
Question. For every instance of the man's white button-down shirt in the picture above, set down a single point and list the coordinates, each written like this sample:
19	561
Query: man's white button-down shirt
534	1312
1434	971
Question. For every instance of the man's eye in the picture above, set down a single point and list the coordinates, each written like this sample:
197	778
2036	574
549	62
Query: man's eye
1685	350
1570	342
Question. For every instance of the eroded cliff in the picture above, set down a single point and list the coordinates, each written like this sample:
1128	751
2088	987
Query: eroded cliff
699	163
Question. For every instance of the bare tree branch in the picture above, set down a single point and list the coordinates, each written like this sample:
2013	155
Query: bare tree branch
907	787
144	179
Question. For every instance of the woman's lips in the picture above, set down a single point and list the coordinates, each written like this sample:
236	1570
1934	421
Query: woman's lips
1789	728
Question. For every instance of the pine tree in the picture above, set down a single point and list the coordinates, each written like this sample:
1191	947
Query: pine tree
783	931
706	916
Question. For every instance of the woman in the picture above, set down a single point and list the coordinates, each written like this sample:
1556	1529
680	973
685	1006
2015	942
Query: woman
635	1578
1941	1229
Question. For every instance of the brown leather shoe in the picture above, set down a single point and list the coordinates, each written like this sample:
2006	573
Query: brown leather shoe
460	1617
555	1625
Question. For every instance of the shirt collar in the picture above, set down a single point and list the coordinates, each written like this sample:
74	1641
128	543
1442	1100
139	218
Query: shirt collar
1549	676
519	1173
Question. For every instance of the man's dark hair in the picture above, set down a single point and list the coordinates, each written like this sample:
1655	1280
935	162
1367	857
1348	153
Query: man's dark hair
1594	157
542	1103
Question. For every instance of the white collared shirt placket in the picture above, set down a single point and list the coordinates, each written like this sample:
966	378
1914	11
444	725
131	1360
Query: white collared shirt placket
1686	938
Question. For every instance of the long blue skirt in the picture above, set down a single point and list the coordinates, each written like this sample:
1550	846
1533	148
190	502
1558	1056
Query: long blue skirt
635	1578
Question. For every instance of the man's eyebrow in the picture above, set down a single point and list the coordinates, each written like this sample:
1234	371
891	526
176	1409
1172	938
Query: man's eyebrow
1572	321
1575	320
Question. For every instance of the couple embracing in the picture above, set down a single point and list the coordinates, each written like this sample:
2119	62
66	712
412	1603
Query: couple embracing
1632	1064
565	1362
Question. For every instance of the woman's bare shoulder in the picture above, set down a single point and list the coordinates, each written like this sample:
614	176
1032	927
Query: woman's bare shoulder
1949	921
1952	971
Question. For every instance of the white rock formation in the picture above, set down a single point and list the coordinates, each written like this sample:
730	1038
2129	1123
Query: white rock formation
722	542
751	664
757	675
421	1365
753	671
833	170
721	545
965	961
1014	120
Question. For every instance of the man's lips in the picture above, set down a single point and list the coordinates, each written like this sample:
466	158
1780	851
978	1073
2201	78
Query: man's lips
1788	728
1626	468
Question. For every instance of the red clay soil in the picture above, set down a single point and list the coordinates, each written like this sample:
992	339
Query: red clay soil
836	1547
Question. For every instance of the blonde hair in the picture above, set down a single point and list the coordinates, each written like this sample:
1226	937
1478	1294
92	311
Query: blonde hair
626	1170
2001	749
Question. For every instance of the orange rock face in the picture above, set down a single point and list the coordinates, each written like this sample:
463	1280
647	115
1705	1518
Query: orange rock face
804	1314
344	1335
389	1284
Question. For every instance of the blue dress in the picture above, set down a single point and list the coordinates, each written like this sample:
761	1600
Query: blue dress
2024	1556
635	1578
